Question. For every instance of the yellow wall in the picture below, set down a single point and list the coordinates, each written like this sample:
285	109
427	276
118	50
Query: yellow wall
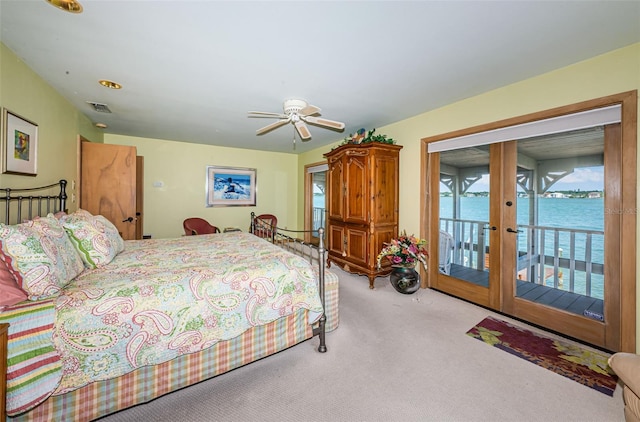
181	167
24	93
611	73
280	186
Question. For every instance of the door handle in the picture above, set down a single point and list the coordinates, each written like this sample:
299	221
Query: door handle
490	228
510	230
128	220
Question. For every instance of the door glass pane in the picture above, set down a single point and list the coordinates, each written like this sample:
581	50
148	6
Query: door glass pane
318	183
560	213
464	214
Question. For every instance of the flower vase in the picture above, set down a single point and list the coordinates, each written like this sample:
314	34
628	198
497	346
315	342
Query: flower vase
404	278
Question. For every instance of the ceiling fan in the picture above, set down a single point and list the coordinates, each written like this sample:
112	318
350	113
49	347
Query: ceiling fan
298	113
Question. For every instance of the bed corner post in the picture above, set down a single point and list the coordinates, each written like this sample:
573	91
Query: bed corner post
63	195
253	222
322	348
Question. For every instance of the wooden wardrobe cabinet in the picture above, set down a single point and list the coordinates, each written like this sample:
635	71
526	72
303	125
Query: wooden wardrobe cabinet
362	202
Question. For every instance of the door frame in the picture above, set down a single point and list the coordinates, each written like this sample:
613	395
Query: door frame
429	209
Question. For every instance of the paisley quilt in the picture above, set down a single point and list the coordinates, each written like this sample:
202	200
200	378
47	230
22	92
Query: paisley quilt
159	299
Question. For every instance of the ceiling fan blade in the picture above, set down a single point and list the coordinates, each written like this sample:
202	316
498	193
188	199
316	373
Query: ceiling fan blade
266	114
324	122
309	110
303	130
272	126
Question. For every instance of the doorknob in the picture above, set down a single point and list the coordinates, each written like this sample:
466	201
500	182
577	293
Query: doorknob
510	230
490	228
129	220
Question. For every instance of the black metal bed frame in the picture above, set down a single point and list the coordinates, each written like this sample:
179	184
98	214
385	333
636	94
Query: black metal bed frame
287	240
26	205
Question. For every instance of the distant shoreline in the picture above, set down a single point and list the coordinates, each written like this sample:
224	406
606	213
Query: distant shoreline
561	194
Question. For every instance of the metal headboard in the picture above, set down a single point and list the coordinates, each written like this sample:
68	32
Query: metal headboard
27	203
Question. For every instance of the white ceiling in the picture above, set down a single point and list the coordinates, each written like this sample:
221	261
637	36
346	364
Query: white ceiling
191	70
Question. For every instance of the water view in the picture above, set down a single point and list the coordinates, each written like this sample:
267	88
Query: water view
582	213
567	213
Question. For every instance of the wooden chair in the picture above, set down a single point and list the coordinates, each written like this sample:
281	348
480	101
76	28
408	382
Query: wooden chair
265	226
195	225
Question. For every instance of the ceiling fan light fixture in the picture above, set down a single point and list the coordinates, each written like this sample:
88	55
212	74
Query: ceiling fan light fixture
293	106
71	6
109	84
297	112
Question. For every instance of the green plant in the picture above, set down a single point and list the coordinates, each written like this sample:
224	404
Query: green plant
360	138
373	137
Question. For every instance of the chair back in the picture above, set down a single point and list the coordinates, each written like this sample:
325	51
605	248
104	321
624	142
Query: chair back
195	225
265	225
445	248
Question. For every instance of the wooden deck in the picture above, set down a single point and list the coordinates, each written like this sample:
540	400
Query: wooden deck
559	299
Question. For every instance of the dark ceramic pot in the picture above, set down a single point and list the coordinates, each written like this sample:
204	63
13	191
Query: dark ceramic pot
405	279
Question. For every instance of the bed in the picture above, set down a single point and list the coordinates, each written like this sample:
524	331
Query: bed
107	324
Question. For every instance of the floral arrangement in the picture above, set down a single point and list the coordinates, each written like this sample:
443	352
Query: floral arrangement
364	137
405	250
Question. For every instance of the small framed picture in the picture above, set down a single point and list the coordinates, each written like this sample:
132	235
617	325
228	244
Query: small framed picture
231	186
19	144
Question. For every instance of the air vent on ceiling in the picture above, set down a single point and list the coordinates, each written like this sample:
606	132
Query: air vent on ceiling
102	108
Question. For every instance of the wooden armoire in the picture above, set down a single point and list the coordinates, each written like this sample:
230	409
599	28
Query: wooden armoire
362	205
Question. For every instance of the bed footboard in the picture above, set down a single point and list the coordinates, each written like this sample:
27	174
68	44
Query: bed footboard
289	240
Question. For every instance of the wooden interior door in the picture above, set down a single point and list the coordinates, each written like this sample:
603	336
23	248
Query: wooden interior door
108	185
139	196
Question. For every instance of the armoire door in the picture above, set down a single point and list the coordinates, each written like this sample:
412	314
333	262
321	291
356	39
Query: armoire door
356	179
108	184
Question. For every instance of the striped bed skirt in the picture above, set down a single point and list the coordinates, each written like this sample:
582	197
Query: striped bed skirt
147	383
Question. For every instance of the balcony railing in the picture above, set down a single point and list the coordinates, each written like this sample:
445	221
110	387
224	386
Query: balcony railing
563	258
318	218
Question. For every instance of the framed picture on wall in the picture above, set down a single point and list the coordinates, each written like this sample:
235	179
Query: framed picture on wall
19	143
231	186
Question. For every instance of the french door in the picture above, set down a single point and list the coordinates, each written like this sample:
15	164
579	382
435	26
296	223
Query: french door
516	236
315	207
468	254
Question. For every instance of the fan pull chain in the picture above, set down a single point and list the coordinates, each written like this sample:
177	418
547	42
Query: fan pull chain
294	138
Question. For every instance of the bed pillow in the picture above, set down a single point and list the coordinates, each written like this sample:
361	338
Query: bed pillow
96	238
10	293
40	256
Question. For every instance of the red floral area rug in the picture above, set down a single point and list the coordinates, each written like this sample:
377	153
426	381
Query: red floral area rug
586	366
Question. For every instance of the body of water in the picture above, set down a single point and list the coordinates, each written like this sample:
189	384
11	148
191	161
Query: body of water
575	213
318	200
565	213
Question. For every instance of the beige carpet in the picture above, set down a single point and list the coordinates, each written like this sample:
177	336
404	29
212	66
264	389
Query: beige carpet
393	358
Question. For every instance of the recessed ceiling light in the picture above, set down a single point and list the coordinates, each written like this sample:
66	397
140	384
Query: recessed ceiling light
101	125
110	84
71	6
